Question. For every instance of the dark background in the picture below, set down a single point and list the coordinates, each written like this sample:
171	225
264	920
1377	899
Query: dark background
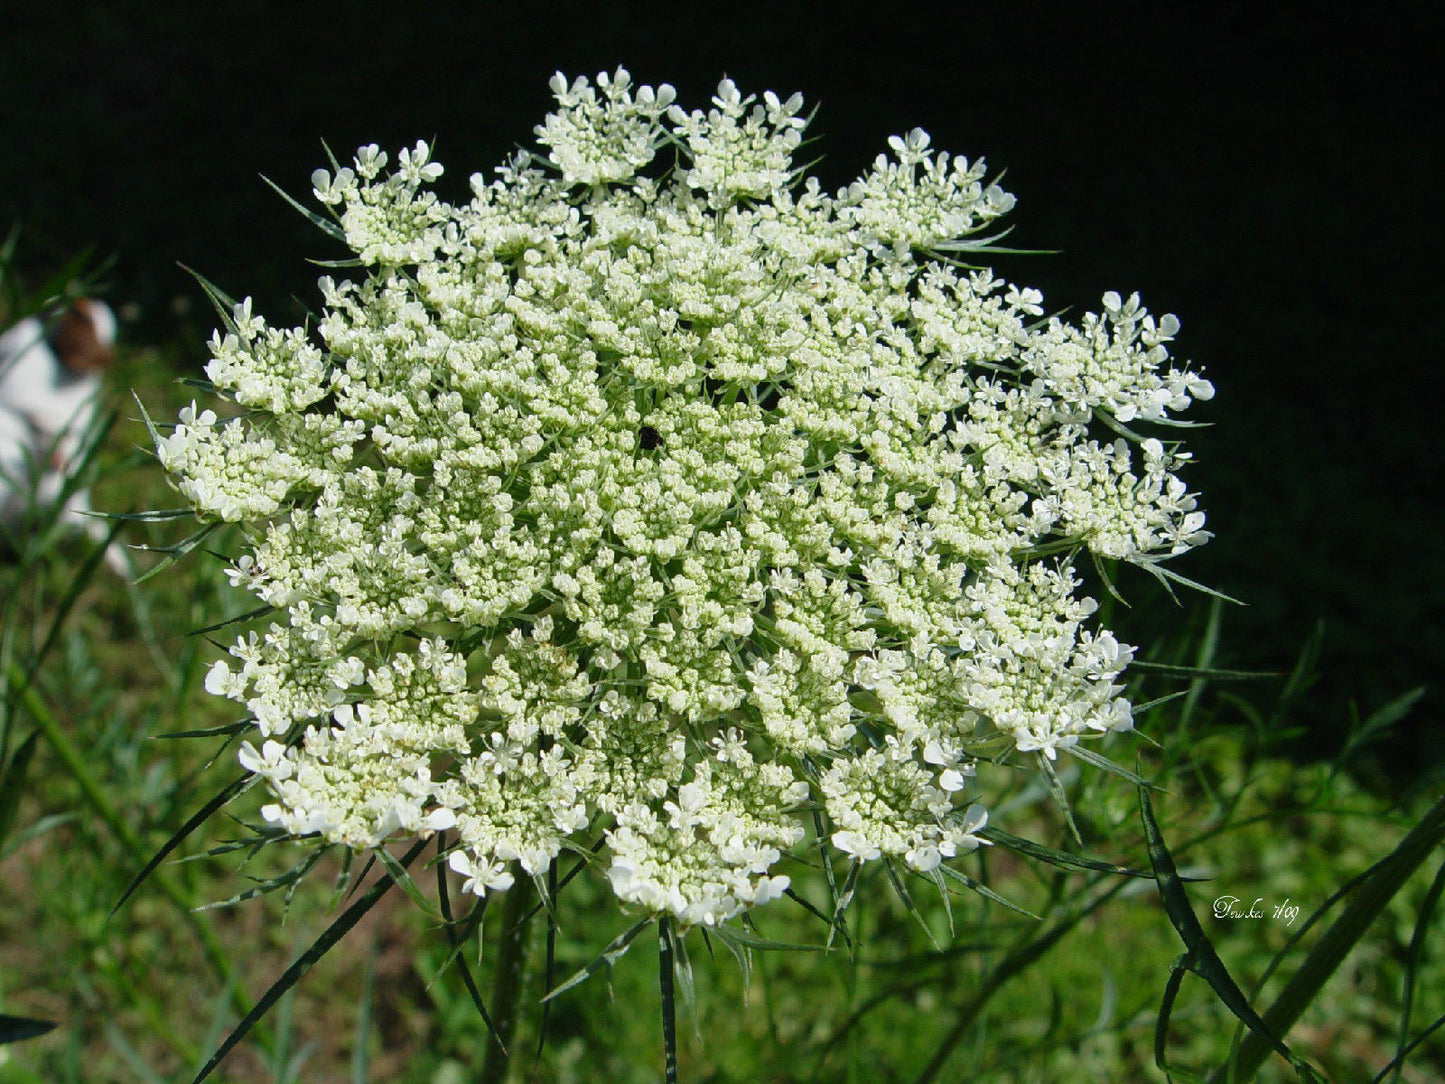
1272	178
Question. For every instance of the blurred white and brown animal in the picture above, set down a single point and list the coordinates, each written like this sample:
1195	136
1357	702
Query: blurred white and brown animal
50	382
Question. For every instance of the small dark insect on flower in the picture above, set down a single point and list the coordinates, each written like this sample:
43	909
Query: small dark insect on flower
649	438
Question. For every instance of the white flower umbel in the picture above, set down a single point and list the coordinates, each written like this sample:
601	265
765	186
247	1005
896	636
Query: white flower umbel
654	492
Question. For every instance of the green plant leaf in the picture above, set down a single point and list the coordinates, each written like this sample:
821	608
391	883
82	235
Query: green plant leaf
1098	760
548	893
224	303
175	552
404	880
224	730
742	937
584	858
458	940
986	892
805	905
1059	795
249	615
155	434
907	899
325	225
303	963
1062	859
1370	897
1414	958
839	922
156	515
289	880
1166	576
1200	956
1202	672
1145	706
615	950
218	801
741	955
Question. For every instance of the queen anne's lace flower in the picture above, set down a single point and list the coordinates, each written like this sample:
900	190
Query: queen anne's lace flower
655	492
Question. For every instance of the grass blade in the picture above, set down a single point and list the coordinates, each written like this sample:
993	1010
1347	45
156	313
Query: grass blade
1399	1059
360	1053
1384	880
1414	958
12	782
14	1029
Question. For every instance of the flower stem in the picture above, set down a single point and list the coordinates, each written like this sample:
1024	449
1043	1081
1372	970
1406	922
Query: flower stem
669	1004
507	981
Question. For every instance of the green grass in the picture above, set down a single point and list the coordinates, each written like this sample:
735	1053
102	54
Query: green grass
102	672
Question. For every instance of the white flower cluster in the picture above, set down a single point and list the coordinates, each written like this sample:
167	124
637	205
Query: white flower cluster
655	493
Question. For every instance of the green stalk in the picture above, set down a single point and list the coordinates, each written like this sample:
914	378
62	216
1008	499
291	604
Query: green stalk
507	981
669	1001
